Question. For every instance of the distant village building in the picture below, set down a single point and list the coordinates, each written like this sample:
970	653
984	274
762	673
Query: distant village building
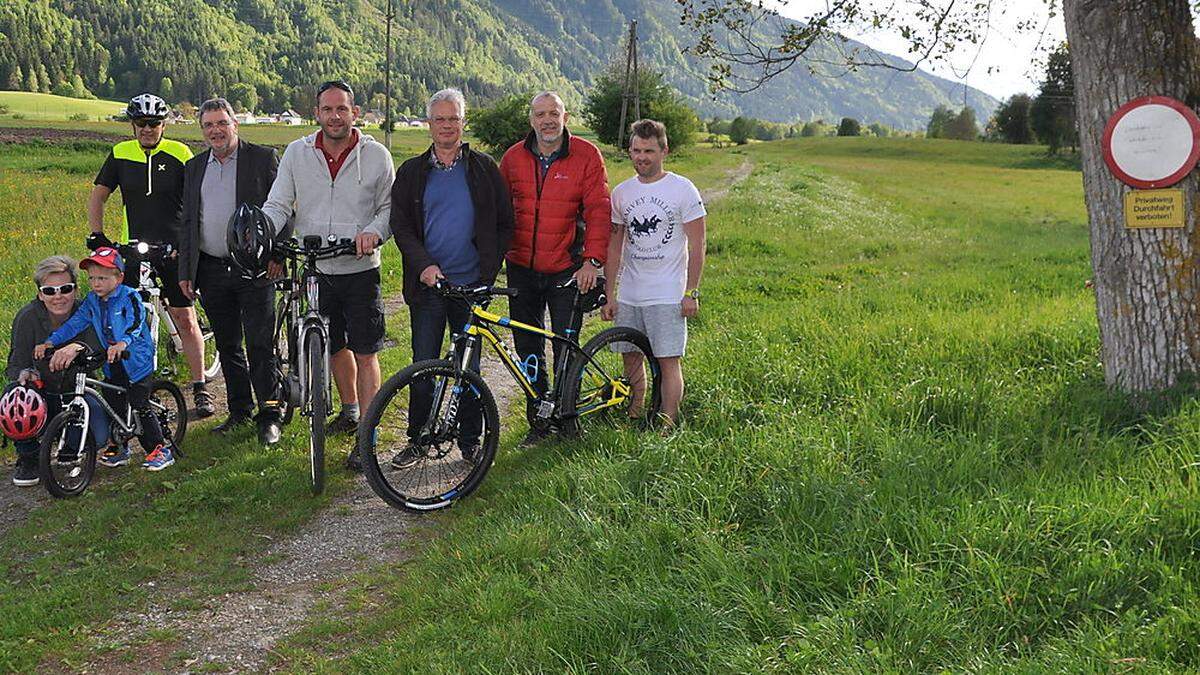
246	118
290	118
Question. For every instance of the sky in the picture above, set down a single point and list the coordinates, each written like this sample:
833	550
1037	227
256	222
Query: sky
1009	61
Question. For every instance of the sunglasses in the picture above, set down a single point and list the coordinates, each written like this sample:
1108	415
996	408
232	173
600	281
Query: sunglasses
65	289
334	84
153	124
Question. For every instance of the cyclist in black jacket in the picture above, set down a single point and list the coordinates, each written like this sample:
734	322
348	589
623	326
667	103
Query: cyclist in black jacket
148	170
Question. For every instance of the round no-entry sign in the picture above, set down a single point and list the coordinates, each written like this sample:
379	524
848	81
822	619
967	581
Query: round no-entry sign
1152	142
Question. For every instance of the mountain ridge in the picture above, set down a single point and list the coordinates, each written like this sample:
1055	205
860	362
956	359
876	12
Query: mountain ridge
490	48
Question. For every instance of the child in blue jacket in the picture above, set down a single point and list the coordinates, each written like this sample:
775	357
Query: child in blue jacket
116	313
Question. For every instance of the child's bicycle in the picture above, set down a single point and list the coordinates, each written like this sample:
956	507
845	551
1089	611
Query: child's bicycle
67	454
427	457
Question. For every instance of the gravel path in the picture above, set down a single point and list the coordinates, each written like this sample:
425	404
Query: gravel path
237	632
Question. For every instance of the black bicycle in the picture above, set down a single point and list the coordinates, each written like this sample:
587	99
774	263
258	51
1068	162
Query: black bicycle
67	454
430	435
301	340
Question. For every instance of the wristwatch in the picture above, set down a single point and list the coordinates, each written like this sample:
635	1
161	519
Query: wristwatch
595	262
693	294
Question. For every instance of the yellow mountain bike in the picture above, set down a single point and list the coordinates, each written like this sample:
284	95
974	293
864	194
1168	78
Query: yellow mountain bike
430	435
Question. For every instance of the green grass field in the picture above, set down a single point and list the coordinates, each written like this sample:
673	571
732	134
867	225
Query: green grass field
44	107
898	456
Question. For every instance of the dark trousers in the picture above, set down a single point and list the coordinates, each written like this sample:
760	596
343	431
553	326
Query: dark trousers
239	308
429	318
137	395
536	292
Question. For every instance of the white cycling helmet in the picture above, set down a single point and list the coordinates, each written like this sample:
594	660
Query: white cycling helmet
147	106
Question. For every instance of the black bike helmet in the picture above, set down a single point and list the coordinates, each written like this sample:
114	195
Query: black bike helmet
147	107
251	239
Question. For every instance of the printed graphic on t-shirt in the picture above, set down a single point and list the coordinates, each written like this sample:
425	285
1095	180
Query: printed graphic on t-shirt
654	259
652	225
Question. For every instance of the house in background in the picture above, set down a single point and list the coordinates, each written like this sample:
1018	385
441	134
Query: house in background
290	118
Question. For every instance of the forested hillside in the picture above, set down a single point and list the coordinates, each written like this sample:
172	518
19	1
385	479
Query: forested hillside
268	54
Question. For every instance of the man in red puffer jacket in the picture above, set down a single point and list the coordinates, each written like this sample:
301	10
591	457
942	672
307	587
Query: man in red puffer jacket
559	189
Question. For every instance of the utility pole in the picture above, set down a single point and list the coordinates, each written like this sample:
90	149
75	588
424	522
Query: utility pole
387	80
628	92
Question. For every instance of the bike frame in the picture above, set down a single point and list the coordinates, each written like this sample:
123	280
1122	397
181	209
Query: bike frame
126	427
301	305
480	326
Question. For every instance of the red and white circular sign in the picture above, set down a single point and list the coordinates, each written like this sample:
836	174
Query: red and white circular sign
1152	142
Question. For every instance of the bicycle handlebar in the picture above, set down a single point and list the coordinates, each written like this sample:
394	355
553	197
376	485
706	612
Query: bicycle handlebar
142	249
88	359
295	249
480	293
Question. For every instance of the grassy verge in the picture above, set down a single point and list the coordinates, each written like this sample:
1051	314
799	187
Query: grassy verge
899	456
74	566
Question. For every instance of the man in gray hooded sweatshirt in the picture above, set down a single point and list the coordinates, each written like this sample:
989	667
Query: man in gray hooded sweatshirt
337	183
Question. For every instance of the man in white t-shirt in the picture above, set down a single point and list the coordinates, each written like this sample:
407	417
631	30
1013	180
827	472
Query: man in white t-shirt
658	248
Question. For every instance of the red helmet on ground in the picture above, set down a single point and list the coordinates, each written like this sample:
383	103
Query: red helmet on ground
23	413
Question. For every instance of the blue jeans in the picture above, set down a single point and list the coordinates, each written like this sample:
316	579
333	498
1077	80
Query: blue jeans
429	317
97	425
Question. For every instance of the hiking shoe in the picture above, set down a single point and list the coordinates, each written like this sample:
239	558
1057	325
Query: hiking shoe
26	474
470	453
160	458
406	457
354	462
535	436
204	401
342	424
232	423
114	456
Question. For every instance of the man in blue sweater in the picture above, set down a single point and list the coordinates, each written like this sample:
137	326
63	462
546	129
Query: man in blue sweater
452	219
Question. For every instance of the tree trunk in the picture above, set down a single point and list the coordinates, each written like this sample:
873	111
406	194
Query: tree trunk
1146	281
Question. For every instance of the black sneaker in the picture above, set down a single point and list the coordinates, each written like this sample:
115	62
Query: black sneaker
26	474
342	424
470	453
234	421
406	457
354	462
535	436
204	401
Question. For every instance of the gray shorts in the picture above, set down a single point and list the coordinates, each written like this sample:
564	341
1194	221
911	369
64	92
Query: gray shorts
663	324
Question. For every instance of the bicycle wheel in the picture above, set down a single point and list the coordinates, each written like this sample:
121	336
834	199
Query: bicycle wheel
414	434
66	455
212	360
314	358
171	409
613	386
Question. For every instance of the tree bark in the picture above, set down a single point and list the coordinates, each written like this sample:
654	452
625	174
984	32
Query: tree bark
1146	281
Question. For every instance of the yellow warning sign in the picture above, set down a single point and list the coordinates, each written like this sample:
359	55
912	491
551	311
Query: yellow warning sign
1154	208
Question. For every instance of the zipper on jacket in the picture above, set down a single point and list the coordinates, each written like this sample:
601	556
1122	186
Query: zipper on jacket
539	180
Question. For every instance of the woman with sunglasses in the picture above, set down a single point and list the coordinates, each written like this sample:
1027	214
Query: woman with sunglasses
56	301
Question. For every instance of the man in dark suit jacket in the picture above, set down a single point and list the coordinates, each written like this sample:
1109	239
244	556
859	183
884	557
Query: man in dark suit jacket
231	172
